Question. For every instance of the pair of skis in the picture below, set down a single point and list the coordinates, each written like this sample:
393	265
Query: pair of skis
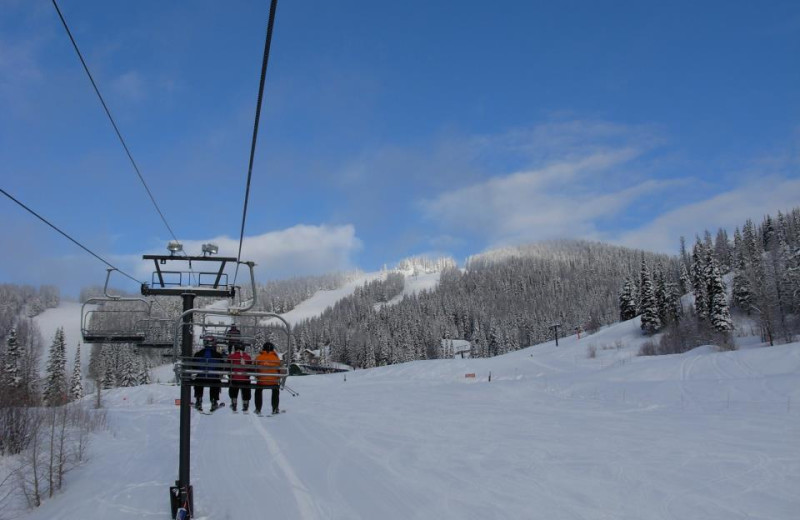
220	405
270	414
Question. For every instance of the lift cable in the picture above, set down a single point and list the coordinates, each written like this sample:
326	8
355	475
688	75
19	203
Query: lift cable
32	212
113	123
270	23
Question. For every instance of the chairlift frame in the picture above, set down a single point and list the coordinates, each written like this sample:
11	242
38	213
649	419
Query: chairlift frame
134	334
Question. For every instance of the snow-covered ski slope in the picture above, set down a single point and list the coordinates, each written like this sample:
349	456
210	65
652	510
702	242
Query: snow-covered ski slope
68	316
554	435
321	300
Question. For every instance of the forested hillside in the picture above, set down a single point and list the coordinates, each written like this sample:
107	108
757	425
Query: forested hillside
499	303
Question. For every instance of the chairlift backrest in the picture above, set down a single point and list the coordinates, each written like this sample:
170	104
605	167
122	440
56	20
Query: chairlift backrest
114	319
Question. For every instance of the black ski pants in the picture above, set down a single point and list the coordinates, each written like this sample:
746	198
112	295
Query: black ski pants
233	390
276	393
213	392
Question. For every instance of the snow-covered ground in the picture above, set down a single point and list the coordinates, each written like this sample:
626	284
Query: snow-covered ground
555	434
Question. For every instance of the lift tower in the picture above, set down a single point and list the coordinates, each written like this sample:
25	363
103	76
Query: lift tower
188	285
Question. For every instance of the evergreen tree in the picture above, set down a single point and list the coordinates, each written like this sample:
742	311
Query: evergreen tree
76	386
661	295
129	370
11	369
109	373
627	301
685	280
742	293
143	377
719	314
650	316
674	307
55	391
699	283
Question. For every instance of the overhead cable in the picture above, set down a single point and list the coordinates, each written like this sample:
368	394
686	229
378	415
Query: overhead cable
273	6
113	123
32	212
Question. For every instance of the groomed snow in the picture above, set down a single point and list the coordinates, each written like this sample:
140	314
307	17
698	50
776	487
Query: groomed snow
554	435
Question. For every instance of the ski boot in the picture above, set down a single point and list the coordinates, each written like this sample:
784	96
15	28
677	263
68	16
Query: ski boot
275	411
233	405
214	405
245	405
198	405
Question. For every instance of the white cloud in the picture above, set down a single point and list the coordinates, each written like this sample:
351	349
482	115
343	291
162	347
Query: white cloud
728	210
562	199
296	251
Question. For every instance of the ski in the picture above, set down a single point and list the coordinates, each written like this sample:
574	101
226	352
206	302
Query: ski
220	405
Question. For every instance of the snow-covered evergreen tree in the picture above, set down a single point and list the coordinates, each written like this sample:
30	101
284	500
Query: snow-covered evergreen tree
143	377
742	293
129	374
699	282
109	373
76	385
55	390
627	301
719	313
661	295
650	315
12	361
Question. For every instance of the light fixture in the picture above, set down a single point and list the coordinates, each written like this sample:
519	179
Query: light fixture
174	247
210	249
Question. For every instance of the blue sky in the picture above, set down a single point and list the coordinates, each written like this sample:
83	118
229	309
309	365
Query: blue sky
390	128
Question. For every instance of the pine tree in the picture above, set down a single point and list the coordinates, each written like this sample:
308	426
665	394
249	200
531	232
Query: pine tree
76	386
650	319
685	280
674	307
742	293
627	302
143	377
11	369
108	370
55	391
719	314
699	283
129	372
661	295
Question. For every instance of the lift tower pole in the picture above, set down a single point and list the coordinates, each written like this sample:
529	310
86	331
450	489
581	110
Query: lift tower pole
186	410
187	285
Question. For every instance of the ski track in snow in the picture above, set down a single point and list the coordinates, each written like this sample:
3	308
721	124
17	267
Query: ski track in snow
302	496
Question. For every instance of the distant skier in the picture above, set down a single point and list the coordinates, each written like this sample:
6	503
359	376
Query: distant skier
239	380
269	358
233	337
212	362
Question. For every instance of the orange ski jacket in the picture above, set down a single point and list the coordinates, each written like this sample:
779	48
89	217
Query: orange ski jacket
272	362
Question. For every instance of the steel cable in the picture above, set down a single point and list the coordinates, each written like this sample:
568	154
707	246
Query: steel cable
273	6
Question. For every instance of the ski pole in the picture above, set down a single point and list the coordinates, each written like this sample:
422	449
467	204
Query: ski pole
294	394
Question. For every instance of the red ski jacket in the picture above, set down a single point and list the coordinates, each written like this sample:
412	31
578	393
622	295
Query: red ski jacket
239	357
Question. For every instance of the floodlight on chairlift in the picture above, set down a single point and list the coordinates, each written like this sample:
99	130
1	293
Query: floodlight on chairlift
210	249
174	247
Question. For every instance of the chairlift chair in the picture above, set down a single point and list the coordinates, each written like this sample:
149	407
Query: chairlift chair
116	319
